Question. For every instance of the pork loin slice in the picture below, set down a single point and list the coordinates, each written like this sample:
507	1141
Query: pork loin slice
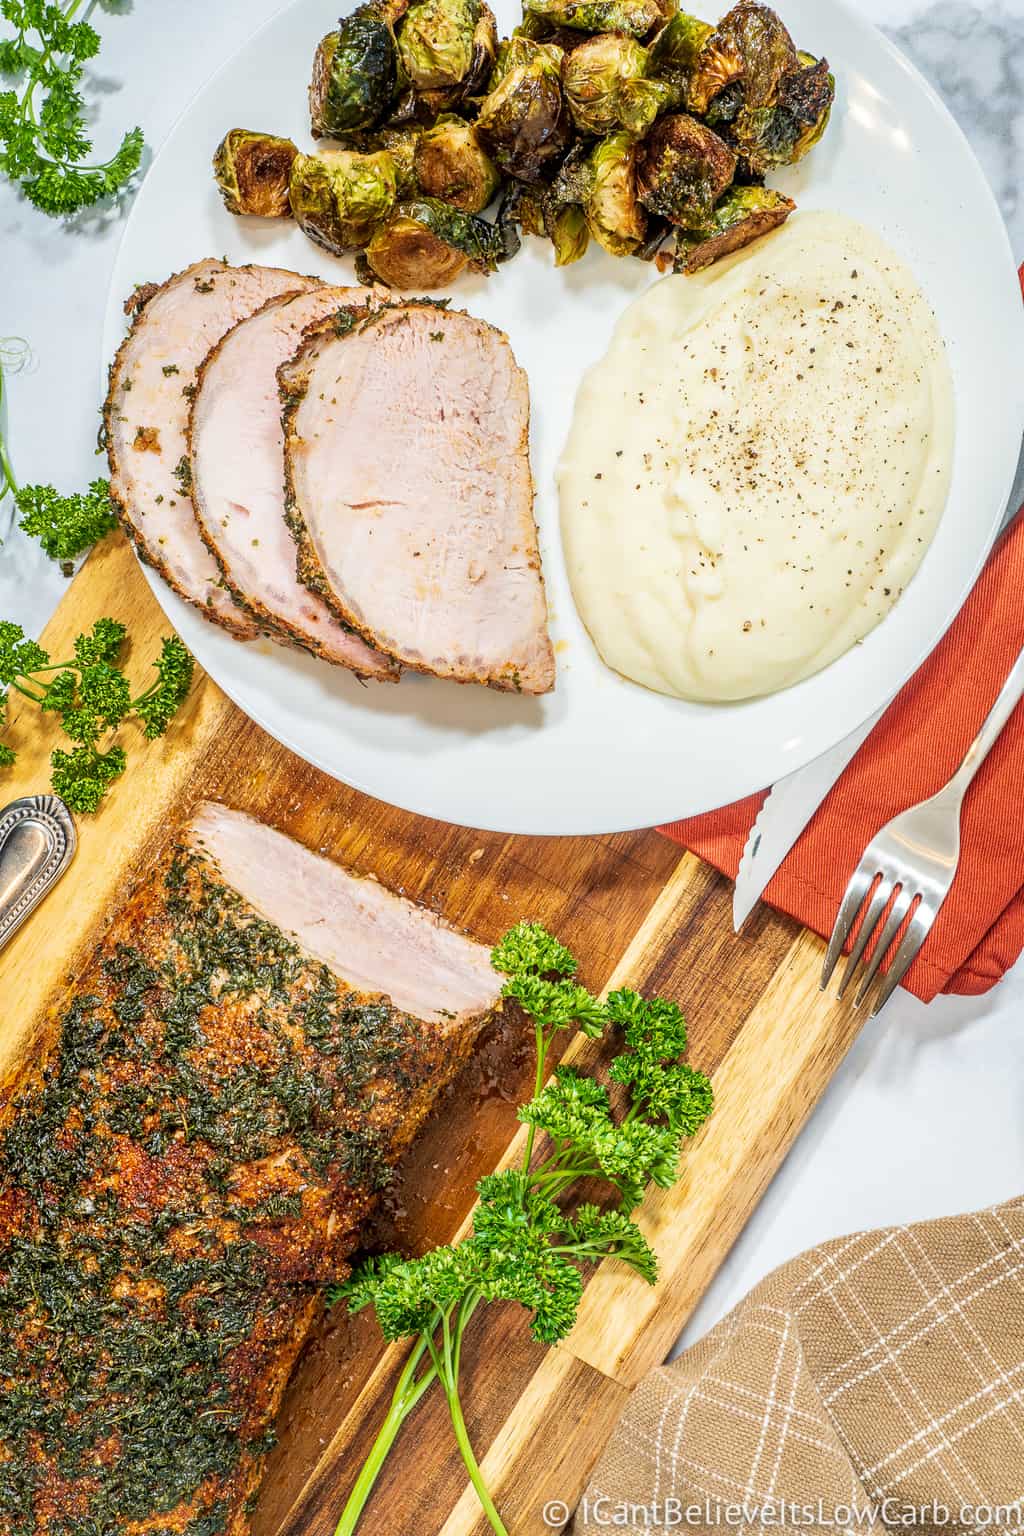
409	492
379	941
151	383
249	1049
237	447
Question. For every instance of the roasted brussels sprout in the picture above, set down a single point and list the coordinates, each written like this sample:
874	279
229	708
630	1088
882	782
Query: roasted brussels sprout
743	215
524	121
615	218
750	42
636	18
541	210
435	42
676	48
683	168
606	85
427	243
340	197
768	137
252	171
452	164
355	73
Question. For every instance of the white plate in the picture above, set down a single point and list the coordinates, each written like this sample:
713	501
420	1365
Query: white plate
601	754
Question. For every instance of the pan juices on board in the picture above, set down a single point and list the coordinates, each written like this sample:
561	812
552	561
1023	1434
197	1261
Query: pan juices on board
757	466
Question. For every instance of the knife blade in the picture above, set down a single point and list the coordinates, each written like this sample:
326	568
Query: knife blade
785	813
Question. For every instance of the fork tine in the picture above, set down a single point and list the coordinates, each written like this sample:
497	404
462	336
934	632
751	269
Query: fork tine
900	907
860	883
880	899
920	927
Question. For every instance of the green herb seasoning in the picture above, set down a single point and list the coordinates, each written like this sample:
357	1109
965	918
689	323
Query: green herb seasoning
165	1188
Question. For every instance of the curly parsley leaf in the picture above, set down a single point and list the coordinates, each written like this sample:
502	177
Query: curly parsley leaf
91	697
44	138
157	708
529	950
66	525
83	776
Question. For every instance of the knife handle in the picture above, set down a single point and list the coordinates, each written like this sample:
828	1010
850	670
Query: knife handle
37	843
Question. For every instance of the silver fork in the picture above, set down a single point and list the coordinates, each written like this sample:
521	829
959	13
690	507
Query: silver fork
908	868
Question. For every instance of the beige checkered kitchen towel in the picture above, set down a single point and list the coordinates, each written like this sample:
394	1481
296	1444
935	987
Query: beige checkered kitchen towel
876	1381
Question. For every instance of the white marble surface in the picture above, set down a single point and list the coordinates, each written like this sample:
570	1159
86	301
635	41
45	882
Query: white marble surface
925	1116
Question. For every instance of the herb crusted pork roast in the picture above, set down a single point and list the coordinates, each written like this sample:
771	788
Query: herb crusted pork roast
235	1076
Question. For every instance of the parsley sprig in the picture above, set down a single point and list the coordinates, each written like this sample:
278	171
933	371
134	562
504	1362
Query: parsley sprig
91	697
44	142
64	525
530	1242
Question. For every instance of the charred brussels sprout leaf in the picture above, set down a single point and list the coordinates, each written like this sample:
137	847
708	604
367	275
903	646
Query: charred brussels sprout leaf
435	42
401	144
606	85
742	216
485	51
452	164
252	171
614	216
635	18
524	121
750	43
805	105
549	213
573	181
569	233
427	243
676	48
683	168
355	74
340	197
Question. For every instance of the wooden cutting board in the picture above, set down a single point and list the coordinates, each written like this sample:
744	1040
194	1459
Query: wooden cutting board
636	911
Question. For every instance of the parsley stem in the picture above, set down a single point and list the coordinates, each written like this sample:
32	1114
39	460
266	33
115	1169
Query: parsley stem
406	1396
538	1084
448	1372
8	482
37	698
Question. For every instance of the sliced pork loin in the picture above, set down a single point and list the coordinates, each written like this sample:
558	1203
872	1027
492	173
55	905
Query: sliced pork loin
147	410
237	444
378	941
410	495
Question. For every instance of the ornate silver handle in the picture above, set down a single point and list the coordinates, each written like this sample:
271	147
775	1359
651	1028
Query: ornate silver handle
37	843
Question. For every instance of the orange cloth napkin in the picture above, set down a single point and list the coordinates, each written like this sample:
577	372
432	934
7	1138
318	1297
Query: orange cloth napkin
913	750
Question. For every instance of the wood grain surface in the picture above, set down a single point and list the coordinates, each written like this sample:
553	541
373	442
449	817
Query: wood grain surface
636	910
